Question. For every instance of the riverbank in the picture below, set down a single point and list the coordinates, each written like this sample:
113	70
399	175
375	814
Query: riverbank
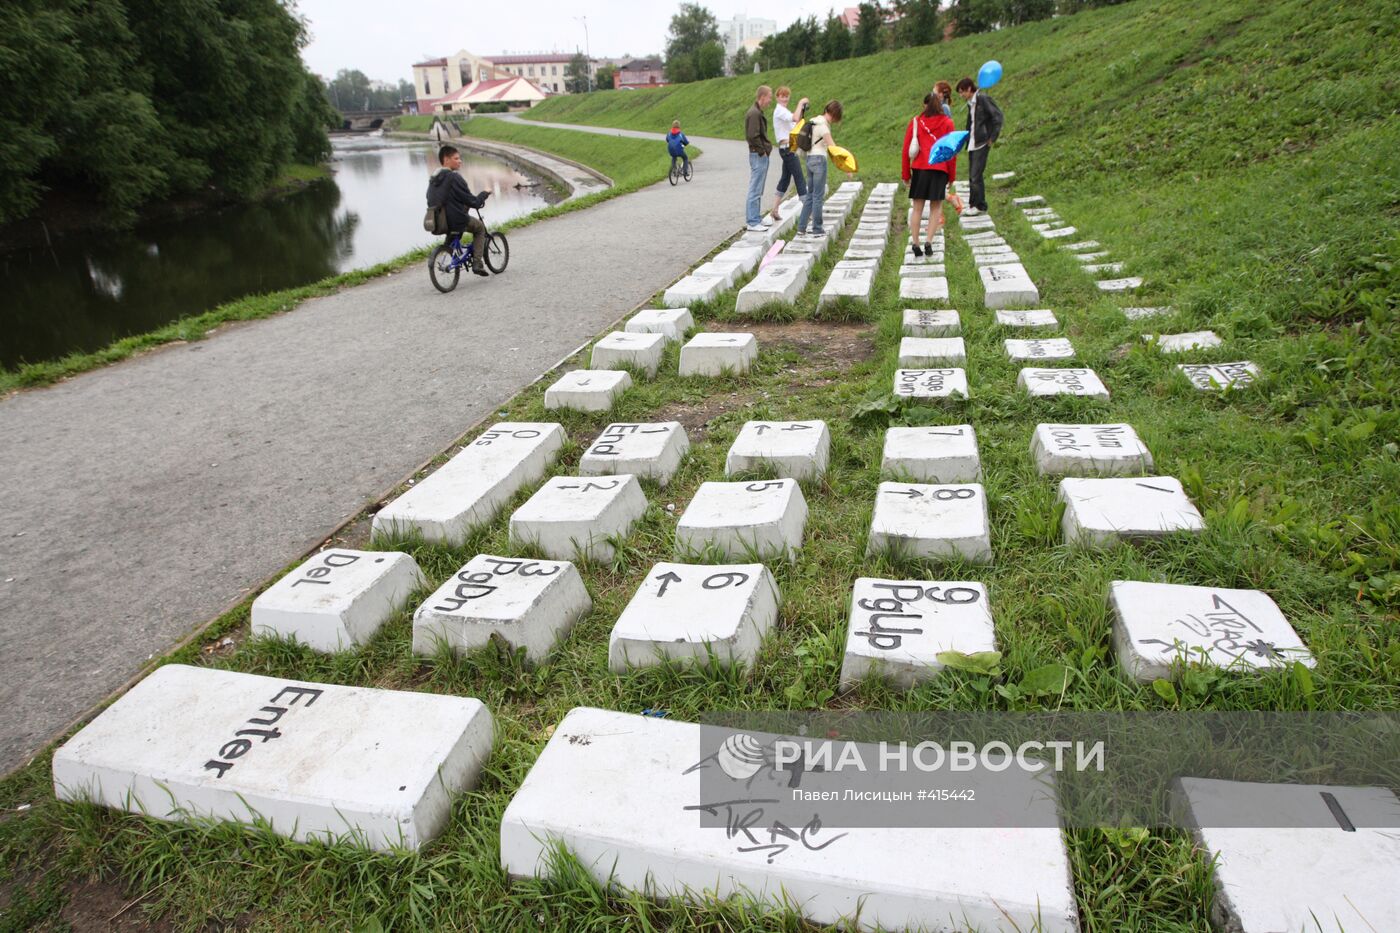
623	161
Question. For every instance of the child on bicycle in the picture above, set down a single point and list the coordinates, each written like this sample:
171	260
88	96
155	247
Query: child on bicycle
449	190
675	145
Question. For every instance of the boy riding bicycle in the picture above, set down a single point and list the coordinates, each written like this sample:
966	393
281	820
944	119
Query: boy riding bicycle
675	145
450	191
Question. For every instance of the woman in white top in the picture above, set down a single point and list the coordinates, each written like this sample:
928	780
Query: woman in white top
783	122
817	163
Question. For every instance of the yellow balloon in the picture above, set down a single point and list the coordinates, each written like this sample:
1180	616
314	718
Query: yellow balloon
842	158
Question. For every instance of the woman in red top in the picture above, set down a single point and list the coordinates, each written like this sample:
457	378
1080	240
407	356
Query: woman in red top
927	183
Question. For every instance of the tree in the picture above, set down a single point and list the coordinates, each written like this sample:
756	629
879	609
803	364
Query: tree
349	91
576	74
866	40
918	23
691	46
974	16
604	77
1026	11
741	63
836	39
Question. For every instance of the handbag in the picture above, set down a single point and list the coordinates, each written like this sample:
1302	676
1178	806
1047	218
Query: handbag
913	152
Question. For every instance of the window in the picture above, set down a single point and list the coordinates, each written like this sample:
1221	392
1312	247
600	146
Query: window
554	69
532	71
427	86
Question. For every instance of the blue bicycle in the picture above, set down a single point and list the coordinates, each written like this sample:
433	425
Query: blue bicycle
447	261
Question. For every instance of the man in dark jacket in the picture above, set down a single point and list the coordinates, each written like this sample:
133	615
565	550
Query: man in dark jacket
449	190
756	132
983	127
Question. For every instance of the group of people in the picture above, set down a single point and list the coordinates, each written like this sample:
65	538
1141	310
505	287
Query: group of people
801	141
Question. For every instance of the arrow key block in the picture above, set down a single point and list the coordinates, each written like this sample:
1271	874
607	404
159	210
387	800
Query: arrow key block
938	521
695	612
796	449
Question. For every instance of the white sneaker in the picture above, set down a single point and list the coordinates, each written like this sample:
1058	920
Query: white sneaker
972	212
756	228
767	221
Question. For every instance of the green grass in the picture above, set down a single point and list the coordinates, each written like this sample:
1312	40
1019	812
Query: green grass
1289	253
630	163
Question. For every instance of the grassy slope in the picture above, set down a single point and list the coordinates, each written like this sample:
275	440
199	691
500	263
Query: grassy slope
630	163
1297	477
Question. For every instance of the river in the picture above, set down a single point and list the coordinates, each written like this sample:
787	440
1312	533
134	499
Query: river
87	290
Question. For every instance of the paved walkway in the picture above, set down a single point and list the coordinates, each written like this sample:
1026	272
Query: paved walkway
145	498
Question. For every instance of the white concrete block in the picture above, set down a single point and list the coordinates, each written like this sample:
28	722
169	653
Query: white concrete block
671	323
529	604
1003	176
648	451
693	289
1216	376
775	283
467	491
1138	314
986	237
314	761
1331	879
919	323
1157	626
855	284
938	454
1102	512
621	348
1038	318
1058	233
1048	348
571	516
930	383
1048	227
1005	286
732	271
338	599
748	257
1099	268
816	246
917	270
1038	211
744	520
999	259
1029	199
1081	382
714	354
1089	450
861	252
925	352
849	187
992	249
692	612
1179	343
587	389
856	264
1088	258
885	190
899	627
1131	283
795	449
866	231
1081	245
934	288
618	790
921	520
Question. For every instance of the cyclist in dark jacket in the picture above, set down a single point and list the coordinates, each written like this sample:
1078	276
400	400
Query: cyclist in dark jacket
448	189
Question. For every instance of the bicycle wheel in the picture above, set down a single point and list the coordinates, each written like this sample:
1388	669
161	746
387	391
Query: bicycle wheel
442	270
675	175
497	252
689	170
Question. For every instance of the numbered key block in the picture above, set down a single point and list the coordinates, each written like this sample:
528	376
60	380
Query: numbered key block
1005	286
931	351
1052	348
716	354
1217	376
943	454
573	515
620	348
930	383
795	449
671	323
1179	343
1335	872
919	323
619	791
691	612
1027	319
927	288
587	389
313	762
898	628
1089	450
744	520
529	604
650	451
338	599
467	491
1103	512
1159	626
918	520
1084	383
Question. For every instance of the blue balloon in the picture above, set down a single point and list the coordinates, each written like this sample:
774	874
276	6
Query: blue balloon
947	146
989	74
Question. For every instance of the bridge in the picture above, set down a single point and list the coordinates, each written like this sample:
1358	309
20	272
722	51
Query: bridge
365	120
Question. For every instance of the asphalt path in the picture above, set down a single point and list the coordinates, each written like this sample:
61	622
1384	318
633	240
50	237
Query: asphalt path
145	498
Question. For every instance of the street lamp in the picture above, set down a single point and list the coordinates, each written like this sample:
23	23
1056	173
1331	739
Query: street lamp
587	51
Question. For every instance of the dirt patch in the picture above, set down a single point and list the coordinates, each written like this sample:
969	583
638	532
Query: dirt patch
100	907
822	345
696	416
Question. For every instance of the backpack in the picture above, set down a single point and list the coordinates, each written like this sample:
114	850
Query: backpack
804	136
435	221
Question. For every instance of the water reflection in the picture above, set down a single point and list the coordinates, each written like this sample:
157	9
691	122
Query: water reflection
91	289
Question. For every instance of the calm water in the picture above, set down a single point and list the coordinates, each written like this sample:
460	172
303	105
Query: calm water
91	289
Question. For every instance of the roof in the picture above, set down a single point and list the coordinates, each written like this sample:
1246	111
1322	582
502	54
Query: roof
497	89
642	64
431	62
558	57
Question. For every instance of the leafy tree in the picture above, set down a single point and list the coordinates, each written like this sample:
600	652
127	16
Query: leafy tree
709	61
918	24
973	16
741	63
691	45
1025	11
866	40
349	91
576	75
836	39
604	77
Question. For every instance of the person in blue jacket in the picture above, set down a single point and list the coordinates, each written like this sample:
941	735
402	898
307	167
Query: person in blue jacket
675	144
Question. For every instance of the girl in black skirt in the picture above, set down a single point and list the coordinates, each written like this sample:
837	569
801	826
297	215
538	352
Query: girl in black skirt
927	183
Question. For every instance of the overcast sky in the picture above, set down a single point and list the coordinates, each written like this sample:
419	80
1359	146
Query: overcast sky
384	40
